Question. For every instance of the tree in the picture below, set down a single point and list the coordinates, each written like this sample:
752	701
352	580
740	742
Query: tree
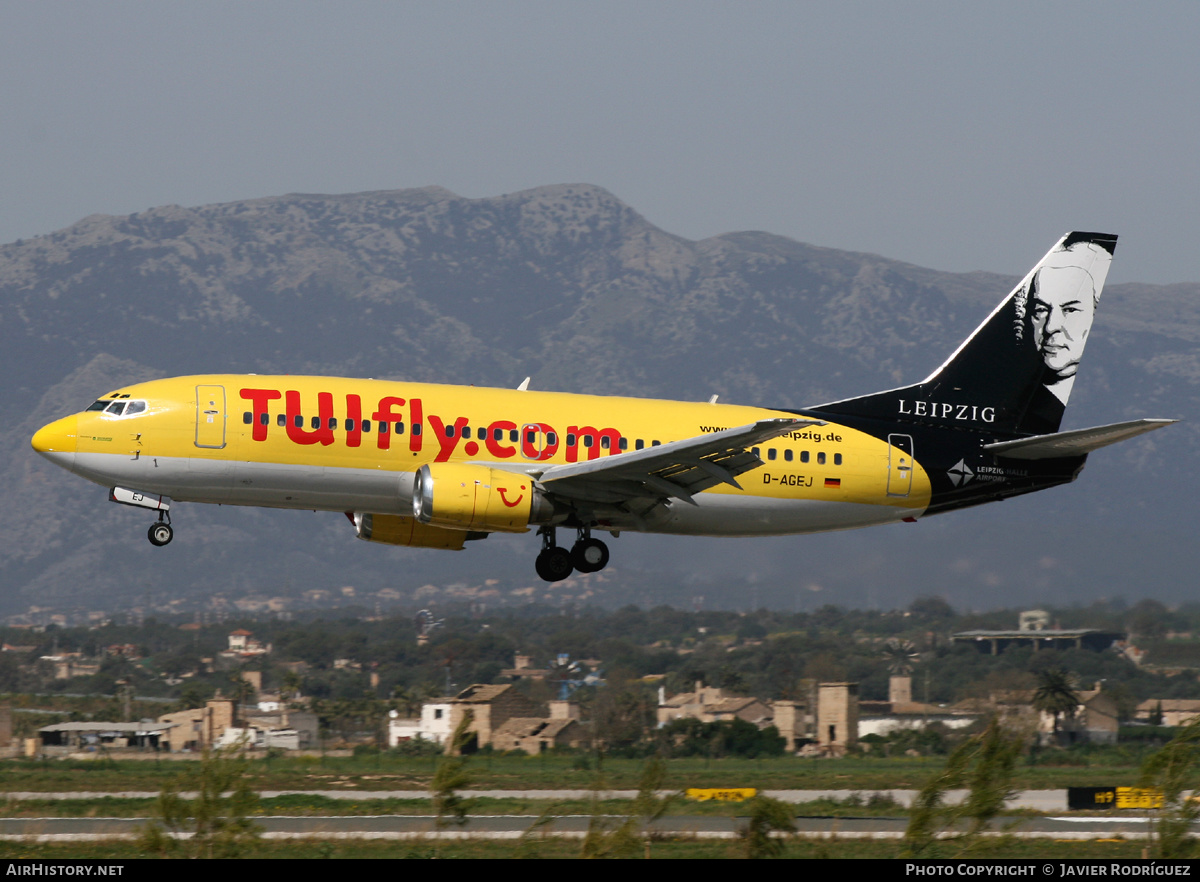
766	817
984	764
650	806
1172	771
607	838
450	777
216	822
1055	696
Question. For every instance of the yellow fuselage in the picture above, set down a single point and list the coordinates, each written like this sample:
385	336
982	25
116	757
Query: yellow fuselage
318	443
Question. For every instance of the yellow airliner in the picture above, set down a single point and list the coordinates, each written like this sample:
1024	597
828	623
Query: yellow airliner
435	466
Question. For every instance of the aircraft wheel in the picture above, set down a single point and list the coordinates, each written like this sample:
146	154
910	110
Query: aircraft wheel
589	555
554	564
160	534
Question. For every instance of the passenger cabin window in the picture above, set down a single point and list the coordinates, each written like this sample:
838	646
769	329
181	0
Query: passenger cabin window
383	428
299	421
771	453
837	459
623	444
570	440
804	456
247	418
316	422
349	425
639	444
366	427
787	455
264	418
399	428
513	435
281	420
821	458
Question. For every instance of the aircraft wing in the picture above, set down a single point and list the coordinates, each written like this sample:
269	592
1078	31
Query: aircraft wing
1074	443
677	469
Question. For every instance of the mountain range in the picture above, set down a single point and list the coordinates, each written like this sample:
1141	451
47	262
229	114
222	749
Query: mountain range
572	287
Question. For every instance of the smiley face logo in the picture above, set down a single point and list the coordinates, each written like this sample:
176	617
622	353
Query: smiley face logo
503	498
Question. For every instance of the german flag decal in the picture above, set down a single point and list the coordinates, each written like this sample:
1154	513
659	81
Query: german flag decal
833	482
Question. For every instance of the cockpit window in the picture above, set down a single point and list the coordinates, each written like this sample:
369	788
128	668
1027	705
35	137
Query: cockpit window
119	408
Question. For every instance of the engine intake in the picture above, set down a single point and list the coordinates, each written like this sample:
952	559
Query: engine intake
473	497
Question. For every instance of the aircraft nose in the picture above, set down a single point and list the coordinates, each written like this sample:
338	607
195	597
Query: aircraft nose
56	441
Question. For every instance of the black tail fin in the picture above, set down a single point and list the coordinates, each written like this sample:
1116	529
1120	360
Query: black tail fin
1015	373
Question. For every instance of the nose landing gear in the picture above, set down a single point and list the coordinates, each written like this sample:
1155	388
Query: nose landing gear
555	563
161	533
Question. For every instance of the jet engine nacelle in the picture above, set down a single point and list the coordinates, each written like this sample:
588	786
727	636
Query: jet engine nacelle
474	497
398	530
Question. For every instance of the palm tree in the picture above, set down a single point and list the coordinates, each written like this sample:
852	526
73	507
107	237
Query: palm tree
1055	695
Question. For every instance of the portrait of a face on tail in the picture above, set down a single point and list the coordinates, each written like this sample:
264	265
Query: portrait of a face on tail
1054	313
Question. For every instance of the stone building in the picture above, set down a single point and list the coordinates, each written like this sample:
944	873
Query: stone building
485	709
837	717
709	705
201	727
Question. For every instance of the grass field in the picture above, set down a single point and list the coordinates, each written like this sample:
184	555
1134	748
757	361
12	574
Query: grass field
504	772
372	773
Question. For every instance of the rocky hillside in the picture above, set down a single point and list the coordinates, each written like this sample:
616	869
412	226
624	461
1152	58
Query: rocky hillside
570	285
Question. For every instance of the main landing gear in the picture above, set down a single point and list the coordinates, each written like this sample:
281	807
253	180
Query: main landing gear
555	563
161	533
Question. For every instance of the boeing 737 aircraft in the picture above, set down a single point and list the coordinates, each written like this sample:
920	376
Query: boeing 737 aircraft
436	466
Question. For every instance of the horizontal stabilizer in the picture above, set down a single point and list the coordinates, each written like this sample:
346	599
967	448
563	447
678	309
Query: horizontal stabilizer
1074	443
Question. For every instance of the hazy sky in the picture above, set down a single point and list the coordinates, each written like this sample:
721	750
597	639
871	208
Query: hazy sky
953	135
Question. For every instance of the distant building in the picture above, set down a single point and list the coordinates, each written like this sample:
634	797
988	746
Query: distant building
1175	711
433	725
1033	629
286	728
82	736
901	712
837	717
198	728
523	669
485	709
1096	720
243	644
535	735
710	704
